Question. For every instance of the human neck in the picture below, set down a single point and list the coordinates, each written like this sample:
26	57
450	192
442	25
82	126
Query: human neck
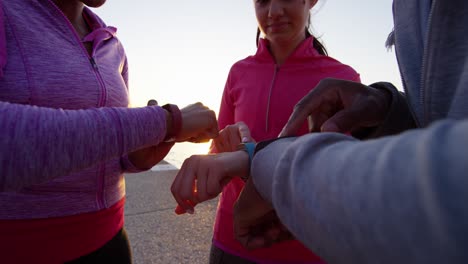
282	50
73	10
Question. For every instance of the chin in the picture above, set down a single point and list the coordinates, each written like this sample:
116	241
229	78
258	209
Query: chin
93	3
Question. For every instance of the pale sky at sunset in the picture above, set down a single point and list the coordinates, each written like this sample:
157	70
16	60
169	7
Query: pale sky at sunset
181	51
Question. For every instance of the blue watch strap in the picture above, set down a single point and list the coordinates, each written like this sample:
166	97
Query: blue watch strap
250	148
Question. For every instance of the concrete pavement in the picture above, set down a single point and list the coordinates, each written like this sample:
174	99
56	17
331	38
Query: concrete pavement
156	233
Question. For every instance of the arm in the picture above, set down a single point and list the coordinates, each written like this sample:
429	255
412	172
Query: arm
39	144
145	159
349	107
399	199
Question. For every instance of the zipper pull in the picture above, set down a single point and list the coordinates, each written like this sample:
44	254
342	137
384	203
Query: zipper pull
93	63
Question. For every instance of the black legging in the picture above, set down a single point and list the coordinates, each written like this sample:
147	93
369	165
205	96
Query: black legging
116	251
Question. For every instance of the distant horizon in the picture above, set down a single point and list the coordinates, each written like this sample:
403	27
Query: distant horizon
181	52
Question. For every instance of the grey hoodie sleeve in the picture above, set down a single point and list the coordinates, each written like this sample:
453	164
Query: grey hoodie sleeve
397	199
38	144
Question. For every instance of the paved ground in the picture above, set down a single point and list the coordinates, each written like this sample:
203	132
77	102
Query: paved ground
156	233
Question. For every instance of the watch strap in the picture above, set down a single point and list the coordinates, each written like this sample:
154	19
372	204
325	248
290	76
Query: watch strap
248	147
176	121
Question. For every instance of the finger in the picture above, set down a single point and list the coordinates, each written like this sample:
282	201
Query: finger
326	91
202	177
234	139
201	138
179	210
244	132
177	188
215	183
256	242
152	102
273	233
242	234
303	108
318	119
342	122
189	184
310	123
213	131
218	143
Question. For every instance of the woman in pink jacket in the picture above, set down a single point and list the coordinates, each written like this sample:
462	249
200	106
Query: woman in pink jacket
67	135
261	91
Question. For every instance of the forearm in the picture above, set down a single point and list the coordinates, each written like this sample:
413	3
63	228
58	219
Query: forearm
39	143
394	200
145	159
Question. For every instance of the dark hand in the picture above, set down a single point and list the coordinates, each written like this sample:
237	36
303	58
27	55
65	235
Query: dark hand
339	106
256	224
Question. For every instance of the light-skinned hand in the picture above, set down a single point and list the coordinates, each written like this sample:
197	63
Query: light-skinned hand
339	106
231	136
199	124
202	177
256	224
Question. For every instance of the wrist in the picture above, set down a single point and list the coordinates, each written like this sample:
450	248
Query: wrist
173	122
248	150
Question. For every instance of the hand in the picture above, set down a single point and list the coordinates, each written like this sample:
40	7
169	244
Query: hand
199	124
202	177
339	106
256	224
231	136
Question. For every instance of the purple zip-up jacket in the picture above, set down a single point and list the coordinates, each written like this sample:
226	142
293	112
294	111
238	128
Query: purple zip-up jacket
65	125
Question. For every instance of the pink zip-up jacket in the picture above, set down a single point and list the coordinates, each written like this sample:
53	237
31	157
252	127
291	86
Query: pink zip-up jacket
65	125
263	95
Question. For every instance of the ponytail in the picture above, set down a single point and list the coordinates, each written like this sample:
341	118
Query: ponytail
317	44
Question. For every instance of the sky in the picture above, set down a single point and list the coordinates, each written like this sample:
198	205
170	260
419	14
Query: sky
181	51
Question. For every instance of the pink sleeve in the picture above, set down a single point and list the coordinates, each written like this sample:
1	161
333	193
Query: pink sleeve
226	111
38	143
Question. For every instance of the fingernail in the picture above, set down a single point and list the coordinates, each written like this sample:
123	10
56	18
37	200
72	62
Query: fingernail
245	139
179	210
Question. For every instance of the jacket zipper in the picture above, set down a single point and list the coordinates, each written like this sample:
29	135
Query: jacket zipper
267	114
423	94
101	169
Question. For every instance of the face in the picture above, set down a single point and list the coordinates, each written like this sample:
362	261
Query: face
283	20
93	3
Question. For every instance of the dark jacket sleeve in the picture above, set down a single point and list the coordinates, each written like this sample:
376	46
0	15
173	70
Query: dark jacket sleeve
398	119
